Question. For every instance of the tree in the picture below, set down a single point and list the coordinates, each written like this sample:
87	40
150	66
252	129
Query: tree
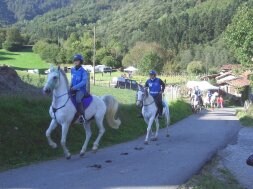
109	61
195	67
2	37
150	61
13	40
239	35
141	49
39	46
50	54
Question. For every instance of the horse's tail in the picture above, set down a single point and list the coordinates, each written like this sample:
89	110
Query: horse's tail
111	109
167	113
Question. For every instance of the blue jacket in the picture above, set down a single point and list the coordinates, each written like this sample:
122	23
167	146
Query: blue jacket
155	86
79	79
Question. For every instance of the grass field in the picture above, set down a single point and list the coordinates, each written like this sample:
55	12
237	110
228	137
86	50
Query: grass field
25	59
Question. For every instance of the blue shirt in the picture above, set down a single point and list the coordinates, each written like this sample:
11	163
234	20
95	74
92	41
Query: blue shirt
79	79
155	86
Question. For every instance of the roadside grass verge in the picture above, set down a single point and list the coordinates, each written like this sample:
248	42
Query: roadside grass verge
212	176
24	120
246	117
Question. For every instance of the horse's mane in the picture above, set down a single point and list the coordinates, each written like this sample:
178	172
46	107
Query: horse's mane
65	77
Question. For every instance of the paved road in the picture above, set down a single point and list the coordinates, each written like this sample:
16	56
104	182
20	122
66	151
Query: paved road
162	164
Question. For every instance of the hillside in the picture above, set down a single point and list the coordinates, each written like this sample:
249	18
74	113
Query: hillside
188	29
16	10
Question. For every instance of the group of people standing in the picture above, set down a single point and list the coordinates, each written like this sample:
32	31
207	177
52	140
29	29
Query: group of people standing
198	95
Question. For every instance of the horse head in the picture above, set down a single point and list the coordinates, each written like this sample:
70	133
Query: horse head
142	94
53	80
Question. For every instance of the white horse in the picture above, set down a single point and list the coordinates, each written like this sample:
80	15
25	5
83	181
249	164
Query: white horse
212	100
149	112
62	111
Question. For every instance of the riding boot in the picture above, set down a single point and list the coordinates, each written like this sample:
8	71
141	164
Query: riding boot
160	110
80	112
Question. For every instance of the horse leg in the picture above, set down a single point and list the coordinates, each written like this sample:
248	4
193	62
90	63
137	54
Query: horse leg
101	132
65	128
157	129
87	138
150	122
51	127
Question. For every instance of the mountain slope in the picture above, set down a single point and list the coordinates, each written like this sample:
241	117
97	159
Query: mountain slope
14	10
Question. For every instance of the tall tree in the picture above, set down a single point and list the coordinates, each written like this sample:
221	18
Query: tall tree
239	35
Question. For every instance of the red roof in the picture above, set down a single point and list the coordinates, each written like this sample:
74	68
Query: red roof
239	82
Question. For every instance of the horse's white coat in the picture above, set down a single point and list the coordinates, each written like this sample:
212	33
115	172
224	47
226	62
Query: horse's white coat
149	111
99	107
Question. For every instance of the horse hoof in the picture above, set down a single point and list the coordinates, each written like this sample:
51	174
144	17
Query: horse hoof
146	142
154	139
68	157
168	135
82	154
54	145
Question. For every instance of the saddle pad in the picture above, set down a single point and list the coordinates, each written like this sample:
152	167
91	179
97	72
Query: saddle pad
86	101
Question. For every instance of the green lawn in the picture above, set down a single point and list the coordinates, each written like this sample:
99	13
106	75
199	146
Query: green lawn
23	60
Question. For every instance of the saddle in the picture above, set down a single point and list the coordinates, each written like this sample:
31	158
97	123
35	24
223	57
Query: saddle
86	101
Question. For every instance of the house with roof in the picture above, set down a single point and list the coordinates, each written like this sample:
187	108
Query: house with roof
230	82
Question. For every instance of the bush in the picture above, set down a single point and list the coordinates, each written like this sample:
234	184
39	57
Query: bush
11	46
195	67
150	61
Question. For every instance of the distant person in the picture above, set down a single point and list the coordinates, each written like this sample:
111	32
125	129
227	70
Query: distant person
218	102
221	101
198	94
156	88
79	78
209	95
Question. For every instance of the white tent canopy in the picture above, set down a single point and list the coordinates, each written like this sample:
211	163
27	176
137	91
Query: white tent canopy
203	85
130	69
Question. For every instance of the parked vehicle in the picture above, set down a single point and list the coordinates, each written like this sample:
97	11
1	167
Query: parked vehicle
103	69
88	68
124	83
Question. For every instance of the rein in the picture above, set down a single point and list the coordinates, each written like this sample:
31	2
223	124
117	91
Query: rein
56	109
143	101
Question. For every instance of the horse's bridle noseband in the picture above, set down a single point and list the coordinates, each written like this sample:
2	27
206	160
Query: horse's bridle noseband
143	100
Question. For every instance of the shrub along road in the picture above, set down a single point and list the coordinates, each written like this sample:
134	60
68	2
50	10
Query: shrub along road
166	163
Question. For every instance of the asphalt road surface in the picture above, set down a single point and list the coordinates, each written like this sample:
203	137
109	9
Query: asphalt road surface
165	163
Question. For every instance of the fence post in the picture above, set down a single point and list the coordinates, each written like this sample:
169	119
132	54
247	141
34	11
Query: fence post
88	83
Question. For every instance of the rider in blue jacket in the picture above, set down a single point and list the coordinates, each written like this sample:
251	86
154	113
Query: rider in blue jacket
156	88
78	82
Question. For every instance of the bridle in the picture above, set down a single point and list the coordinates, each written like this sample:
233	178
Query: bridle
143	100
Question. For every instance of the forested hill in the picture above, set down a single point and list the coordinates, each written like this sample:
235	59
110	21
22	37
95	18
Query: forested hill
12	11
188	30
183	21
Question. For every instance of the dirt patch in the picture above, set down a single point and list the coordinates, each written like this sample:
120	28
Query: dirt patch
10	83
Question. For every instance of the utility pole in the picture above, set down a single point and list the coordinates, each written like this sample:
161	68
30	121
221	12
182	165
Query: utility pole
94	55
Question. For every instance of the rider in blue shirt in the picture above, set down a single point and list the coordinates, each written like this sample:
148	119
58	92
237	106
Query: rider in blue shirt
199	95
78	83
209	94
156	88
